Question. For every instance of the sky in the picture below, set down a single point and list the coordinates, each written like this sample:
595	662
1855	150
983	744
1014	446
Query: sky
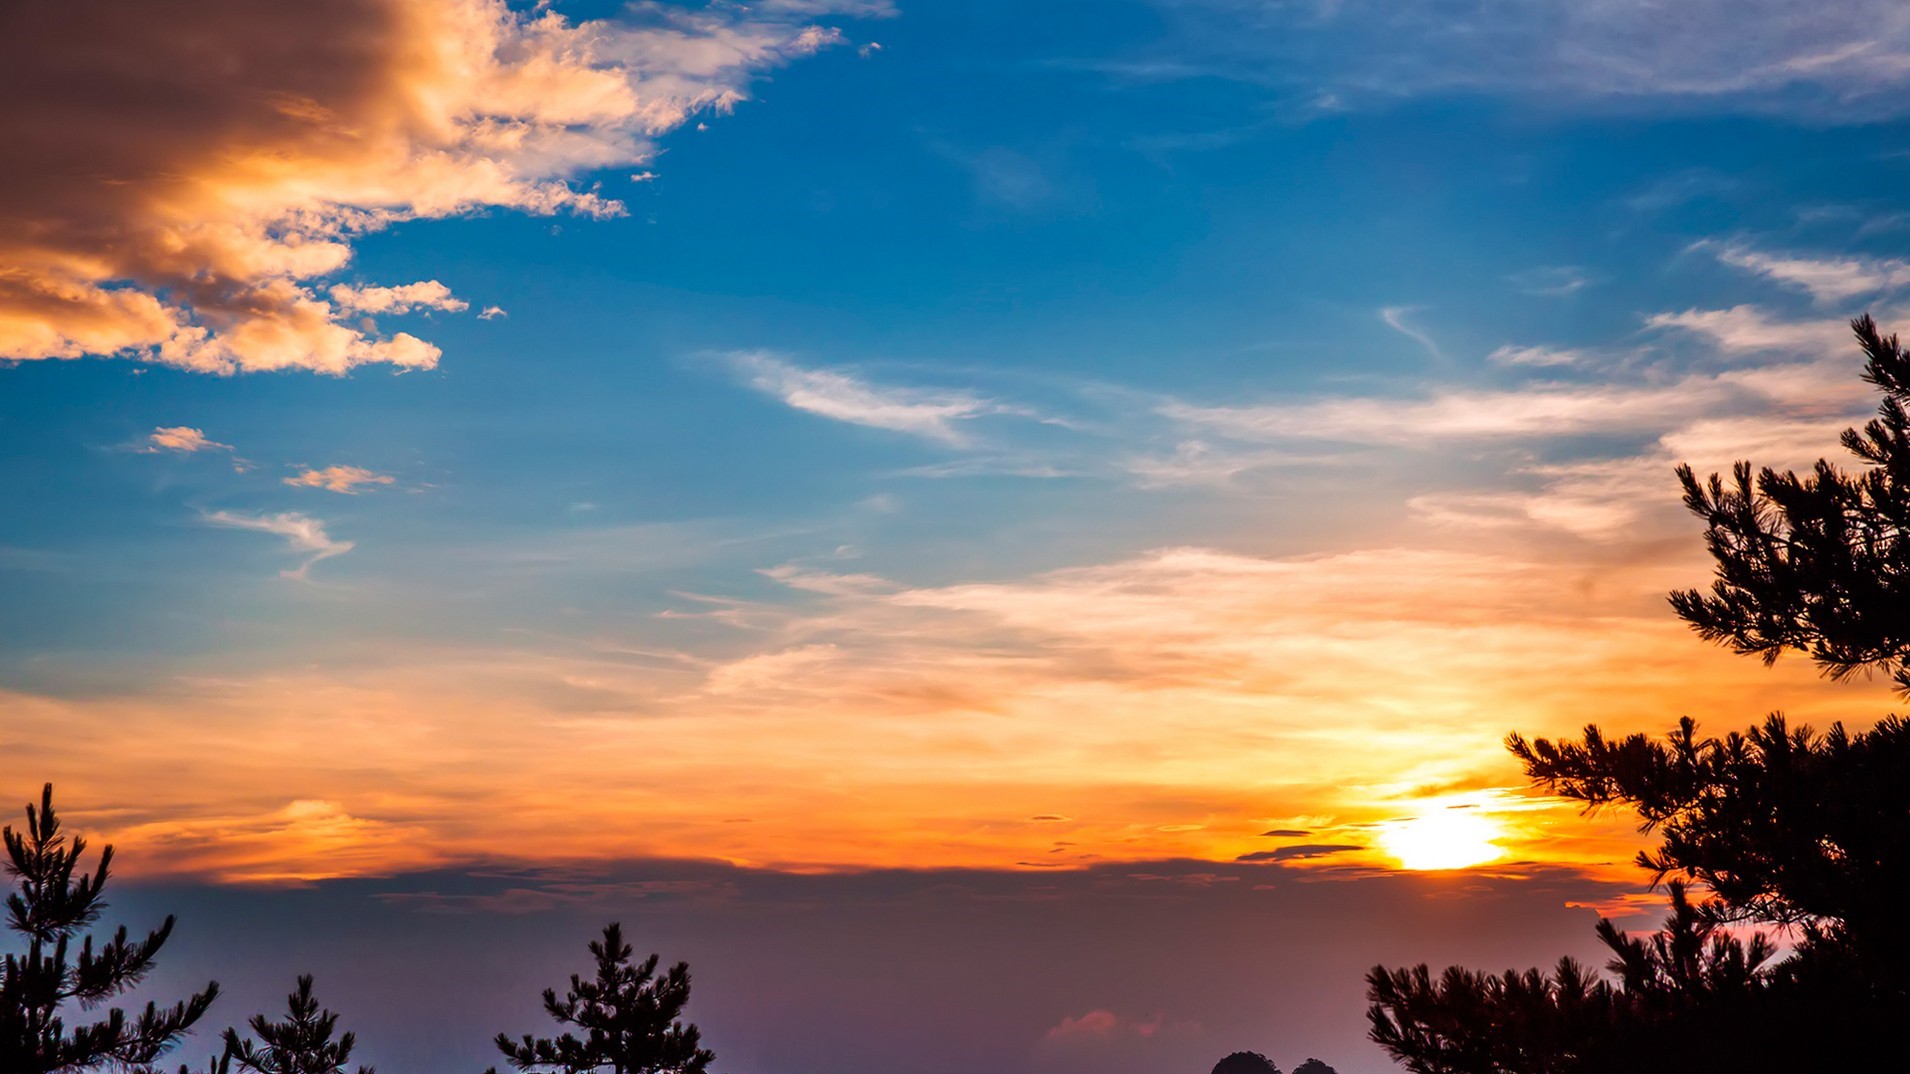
1009	535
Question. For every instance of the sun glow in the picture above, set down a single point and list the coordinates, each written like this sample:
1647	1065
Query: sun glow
1447	839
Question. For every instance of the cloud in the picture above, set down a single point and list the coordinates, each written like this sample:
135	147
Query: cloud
1537	411
1202	462
1827	280
1629	498
926	413
1816	380
304	841
1554	281
861	715
1092	1024
1395	318
302	533
492	313
1748	328
183	177
181	438
1008	178
1848	60
345	479
1536	357
766	671
424	295
1299	852
863	723
1099	1025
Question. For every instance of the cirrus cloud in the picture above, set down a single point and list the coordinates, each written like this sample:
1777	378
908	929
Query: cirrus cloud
930	414
1840	61
303	533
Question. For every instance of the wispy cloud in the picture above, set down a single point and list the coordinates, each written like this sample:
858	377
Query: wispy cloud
1552	281
1396	318
1826	279
1723	384
302	533
932	414
1100	1025
1204	462
345	479
303	841
1629	498
1751	329
1843	60
864	717
1534	411
183	439
1535	357
347	119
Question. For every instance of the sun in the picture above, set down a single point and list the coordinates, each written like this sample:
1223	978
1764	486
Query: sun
1447	839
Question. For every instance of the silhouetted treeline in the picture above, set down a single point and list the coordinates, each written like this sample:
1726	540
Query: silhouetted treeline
54	1017
1778	826
1255	1063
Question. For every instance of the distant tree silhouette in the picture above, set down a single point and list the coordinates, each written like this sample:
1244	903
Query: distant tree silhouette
1314	1066
47	983
1778	826
305	1041
630	1018
1246	1063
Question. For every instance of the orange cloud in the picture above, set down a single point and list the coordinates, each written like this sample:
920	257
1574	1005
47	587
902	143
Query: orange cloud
345	479
1179	704
1302	710
426	295
306	840
182	438
178	182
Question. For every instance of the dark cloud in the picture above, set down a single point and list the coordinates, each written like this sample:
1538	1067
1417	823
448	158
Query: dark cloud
1300	851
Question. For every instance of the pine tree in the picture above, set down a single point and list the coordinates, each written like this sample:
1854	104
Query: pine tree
306	1041
1572	1021
1818	563
630	1018
42	987
1778	825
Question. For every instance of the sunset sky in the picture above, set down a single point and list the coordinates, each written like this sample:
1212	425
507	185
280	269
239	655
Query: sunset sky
1008	534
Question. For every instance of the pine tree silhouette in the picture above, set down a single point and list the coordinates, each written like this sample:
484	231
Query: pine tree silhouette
1467	1022
1818	563
1779	825
41	987
630	1018
304	1042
